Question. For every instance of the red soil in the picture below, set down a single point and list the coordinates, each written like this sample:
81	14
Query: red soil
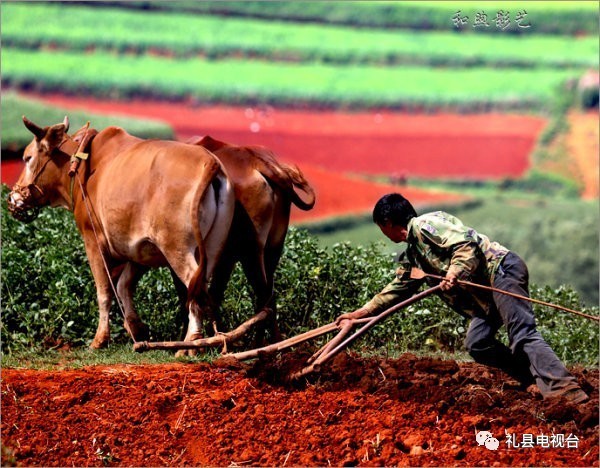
440	145
337	195
583	146
403	412
11	169
327	145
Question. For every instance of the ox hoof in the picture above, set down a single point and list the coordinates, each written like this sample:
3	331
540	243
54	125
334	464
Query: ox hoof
99	344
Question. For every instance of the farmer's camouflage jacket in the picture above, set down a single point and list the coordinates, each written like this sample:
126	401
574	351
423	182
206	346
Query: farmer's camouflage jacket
437	243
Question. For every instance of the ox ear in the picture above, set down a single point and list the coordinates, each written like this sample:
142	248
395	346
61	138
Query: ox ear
39	132
56	133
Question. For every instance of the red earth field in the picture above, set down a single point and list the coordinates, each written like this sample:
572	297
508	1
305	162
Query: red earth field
436	145
331	146
396	412
583	145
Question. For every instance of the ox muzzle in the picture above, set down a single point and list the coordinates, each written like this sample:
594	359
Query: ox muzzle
24	202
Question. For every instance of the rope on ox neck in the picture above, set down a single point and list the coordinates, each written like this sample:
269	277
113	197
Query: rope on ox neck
76	159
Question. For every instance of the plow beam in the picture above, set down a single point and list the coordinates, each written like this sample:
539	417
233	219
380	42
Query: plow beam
285	344
221	339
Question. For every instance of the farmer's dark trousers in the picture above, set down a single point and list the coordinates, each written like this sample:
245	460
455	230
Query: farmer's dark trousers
528	356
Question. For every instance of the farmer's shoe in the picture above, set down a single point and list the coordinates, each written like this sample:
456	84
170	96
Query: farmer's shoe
573	395
576	395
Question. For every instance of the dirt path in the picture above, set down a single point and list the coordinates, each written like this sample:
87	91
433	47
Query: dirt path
407	412
582	143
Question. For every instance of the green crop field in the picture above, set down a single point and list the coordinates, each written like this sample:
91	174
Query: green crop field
314	286
15	134
77	27
104	74
555	17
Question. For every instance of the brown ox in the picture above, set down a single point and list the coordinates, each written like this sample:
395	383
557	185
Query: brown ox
153	203
264	191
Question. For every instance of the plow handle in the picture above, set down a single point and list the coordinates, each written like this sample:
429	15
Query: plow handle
372	322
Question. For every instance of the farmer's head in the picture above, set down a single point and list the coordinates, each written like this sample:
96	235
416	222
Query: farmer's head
392	213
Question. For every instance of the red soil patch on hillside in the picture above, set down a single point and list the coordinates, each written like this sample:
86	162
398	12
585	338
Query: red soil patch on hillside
400	412
439	145
337	194
11	169
582	144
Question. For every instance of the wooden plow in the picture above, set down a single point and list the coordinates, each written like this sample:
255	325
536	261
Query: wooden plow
333	347
342	340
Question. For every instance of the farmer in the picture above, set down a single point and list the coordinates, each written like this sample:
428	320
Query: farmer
438	243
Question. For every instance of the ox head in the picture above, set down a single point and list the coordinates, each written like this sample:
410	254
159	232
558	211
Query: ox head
41	173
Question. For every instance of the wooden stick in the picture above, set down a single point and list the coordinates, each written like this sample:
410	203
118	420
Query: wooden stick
217	340
416	273
281	345
334	342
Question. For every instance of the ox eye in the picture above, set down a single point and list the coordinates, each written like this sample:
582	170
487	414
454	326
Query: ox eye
26	159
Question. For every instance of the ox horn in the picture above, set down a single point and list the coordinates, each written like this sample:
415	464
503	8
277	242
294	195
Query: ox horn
66	123
33	128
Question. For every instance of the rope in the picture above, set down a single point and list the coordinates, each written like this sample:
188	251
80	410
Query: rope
112	284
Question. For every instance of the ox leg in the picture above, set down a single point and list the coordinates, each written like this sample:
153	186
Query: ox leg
218	284
254	268
273	251
182	297
104	294
125	289
272	257
185	267
198	308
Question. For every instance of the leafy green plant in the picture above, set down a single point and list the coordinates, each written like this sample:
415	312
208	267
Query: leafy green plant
48	295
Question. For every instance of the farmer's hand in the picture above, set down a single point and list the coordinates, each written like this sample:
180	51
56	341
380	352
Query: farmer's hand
448	282
358	313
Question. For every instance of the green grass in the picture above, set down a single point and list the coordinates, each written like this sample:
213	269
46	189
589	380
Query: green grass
77	358
123	354
233	81
79	28
15	135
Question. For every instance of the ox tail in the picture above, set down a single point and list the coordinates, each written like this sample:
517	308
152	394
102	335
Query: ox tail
212	215
288	178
